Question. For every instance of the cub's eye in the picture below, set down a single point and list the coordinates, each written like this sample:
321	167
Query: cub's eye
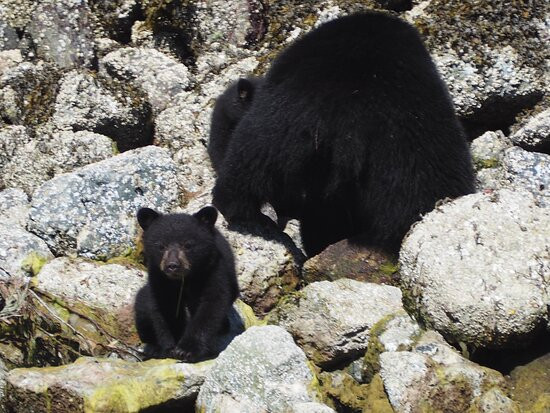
189	245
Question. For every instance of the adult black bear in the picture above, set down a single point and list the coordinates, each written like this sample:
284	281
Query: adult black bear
183	309
352	131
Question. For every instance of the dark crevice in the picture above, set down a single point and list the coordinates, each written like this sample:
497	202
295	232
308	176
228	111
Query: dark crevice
396	5
498	113
505	361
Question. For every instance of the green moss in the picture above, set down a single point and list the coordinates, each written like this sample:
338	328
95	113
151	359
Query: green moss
248	316
530	385
344	390
486	163
153	387
371	360
389	268
33	263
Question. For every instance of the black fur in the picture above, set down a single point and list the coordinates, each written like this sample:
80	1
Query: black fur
189	248
230	108
352	131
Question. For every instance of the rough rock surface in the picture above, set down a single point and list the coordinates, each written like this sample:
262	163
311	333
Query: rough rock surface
34	161
27	93
108	107
62	32
490	55
478	269
14	207
160	76
346	260
331	321
534	132
530	384
17	247
91	211
262	369
435	377
106	385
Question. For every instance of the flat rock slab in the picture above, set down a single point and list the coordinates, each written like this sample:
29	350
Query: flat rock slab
91	211
262	370
347	260
331	321
478	269
103	385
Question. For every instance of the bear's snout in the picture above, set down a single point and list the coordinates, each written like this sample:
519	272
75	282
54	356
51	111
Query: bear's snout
174	262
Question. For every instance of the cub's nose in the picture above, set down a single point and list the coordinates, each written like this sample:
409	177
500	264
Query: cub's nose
173	267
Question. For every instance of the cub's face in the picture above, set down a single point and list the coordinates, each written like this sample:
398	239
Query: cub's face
178	244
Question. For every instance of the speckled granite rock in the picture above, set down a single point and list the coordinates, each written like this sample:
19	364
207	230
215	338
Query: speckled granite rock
105	385
490	55
34	161
27	93
435	377
9	59
62	32
160	76
331	321
477	269
14	207
8	35
533	133
88	102
91	211
261	369
17	247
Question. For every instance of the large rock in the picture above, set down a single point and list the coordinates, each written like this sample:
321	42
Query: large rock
88	102
27	93
331	321
62	32
19	249
106	385
477	269
491	56
91	211
160	76
434	377
533	133
261	370
102	294
14	207
37	160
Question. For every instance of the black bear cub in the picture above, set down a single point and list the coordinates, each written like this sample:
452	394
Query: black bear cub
351	131
183	309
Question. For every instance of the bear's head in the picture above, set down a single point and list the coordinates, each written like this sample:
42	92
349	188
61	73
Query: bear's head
179	245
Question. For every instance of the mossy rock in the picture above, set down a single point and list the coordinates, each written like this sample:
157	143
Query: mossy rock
530	385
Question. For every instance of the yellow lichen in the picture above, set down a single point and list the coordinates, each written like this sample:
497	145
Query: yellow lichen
33	263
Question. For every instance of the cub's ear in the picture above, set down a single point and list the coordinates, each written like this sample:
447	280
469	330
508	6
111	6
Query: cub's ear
207	216
146	216
245	89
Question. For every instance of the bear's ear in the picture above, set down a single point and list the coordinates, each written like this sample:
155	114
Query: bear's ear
245	89
146	216
207	216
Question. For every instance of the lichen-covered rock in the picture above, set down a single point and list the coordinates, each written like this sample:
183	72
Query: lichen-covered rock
109	107
490	55
533	133
62	32
530	385
8	35
160	76
348	260
331	321
311	407
18	248
9	59
434	377
530	171
34	161
116	17
106	385
262	369
27	93
91	211
14	207
488	149
12	137
477	269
